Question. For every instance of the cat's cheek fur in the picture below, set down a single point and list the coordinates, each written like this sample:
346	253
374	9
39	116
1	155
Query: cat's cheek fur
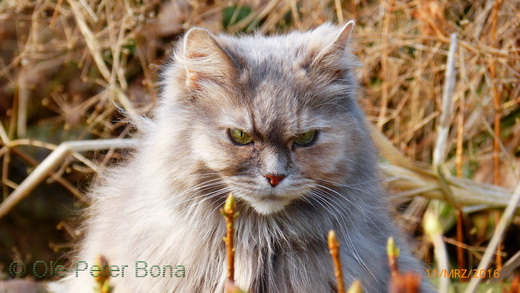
218	153
206	152
324	159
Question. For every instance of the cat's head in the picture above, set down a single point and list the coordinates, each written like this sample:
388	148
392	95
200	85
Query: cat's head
275	117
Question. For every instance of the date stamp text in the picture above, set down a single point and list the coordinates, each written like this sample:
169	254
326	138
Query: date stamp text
463	273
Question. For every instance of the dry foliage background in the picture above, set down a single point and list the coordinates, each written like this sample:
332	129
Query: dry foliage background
76	69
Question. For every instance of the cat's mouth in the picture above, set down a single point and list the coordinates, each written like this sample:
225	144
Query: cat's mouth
271	205
267	204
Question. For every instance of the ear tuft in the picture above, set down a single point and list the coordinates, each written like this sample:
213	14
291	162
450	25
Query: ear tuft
205	59
330	58
346	32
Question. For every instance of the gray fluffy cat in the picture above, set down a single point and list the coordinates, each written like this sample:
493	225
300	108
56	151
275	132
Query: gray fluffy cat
273	120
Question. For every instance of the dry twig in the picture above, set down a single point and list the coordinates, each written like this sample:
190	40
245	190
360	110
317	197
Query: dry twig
496	238
336	260
53	160
408	282
229	216
103	277
433	229
393	254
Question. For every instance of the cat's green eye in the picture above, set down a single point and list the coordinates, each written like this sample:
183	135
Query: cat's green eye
239	136
306	139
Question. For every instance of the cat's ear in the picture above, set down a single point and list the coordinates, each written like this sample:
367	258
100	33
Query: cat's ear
205	59
329	59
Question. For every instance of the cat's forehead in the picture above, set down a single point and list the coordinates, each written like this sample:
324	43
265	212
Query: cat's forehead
274	112
279	50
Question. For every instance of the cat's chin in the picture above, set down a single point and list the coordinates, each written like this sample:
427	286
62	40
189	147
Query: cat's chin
269	206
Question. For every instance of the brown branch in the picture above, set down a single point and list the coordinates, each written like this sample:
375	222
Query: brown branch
384	67
103	278
230	287
393	253
334	253
461	259
54	159
498	234
497	116
66	184
408	282
229	215
405	283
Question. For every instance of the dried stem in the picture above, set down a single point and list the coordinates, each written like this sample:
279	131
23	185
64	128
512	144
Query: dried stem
339	11
384	66
510	266
461	258
413	179
405	283
433	228
408	282
496	124
460	124
90	39
23	101
515	285
335	254
103	278
393	254
443	127
496	238
56	157
66	184
229	216
230	287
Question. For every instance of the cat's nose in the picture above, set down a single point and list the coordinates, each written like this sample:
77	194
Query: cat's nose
274	180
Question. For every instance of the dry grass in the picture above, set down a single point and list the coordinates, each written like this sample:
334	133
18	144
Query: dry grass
79	69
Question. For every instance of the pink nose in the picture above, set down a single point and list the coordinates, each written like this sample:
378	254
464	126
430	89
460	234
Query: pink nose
274	180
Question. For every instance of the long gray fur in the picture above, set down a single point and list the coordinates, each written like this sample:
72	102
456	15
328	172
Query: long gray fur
162	206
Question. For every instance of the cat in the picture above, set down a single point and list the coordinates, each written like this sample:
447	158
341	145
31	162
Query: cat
273	120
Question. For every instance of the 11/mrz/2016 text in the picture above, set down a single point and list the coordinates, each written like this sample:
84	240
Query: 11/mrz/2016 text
463	273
